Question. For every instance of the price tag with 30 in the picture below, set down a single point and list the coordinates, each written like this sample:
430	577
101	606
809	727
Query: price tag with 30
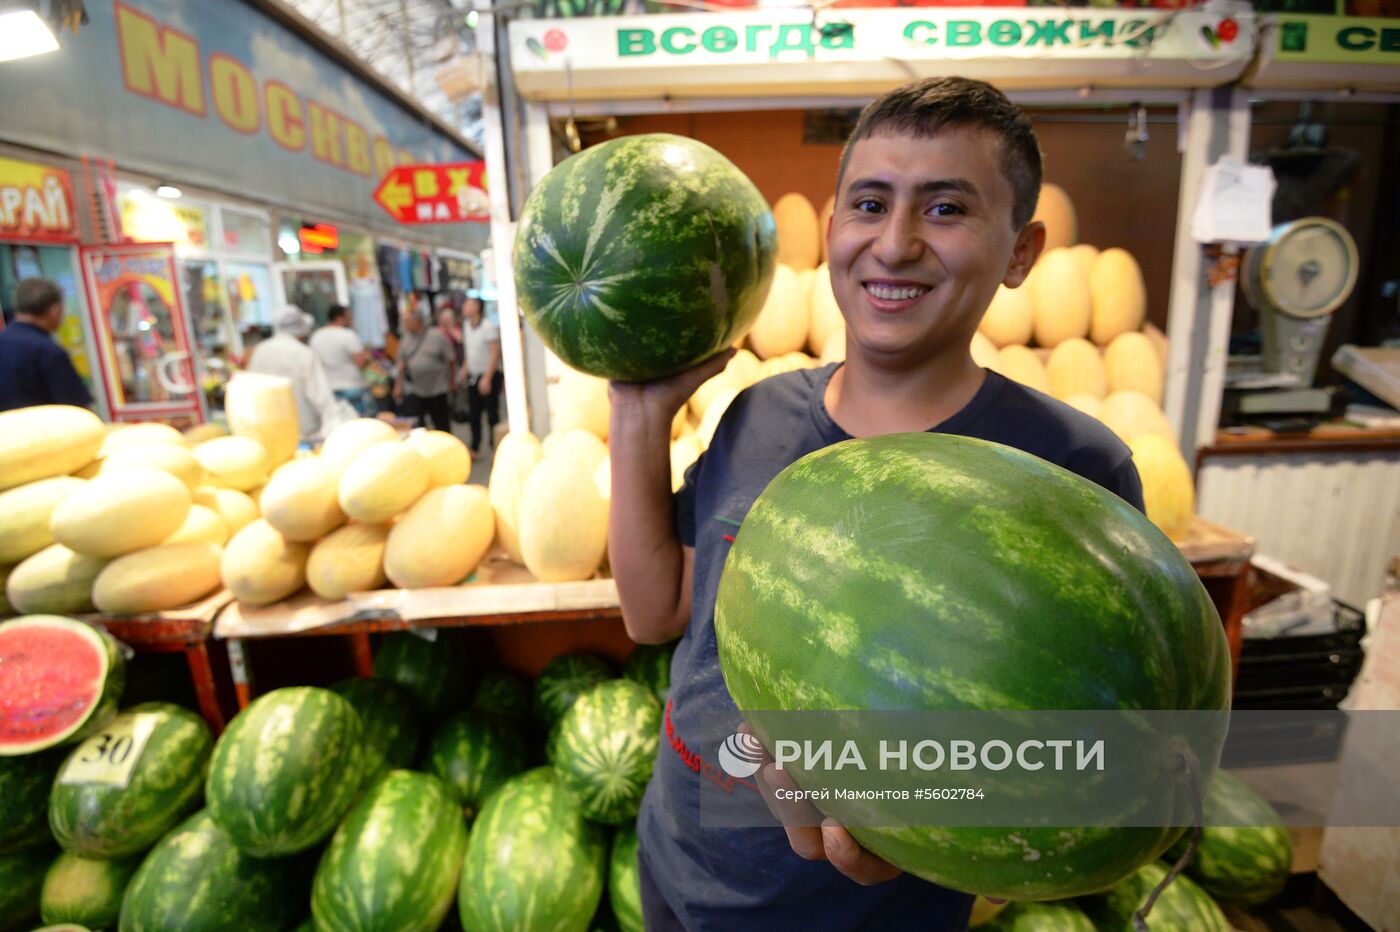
110	755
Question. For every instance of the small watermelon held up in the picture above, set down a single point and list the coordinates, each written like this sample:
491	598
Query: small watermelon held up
60	680
642	256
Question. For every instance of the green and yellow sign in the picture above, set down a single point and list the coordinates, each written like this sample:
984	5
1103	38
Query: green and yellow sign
1337	40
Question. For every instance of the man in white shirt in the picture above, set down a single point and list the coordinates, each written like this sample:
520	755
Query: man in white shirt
344	358
286	355
481	371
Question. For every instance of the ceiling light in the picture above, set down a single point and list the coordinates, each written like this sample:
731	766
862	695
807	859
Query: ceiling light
23	33
170	191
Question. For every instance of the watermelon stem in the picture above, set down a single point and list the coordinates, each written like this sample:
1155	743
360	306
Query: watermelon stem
1193	789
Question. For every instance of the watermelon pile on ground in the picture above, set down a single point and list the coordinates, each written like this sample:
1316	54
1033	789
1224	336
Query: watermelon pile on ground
473	753
603	748
1245	855
562	681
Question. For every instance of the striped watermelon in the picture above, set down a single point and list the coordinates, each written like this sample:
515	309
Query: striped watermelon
1041	917
650	665
930	571
1182	905
286	770
196	880
604	748
562	680
642	256
1245	855
21	880
624	890
473	753
431	670
389	715
24	798
86	891
503	693
105	820
60	680
533	861
393	864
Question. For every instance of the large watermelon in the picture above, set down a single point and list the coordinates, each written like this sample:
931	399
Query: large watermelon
286	770
21	880
936	572
533	861
60	680
473	753
650	665
624	890
431	670
642	256
562	680
196	880
389	715
24	798
604	748
124	810
86	891
503	693
1245	855
393	864
1041	917
1182	905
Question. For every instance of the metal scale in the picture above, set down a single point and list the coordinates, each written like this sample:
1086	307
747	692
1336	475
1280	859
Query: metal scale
1296	279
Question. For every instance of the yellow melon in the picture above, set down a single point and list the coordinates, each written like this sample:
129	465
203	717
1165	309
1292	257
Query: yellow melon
1056	211
1010	318
1132	414
196	435
1132	364
580	401
679	422
717	385
824	223
158	578
449	461
824	313
260	566
1086	255
202	525
54	581
1021	364
46	440
348	559
302	500
178	460
563	521
684	452
1118	295
984	353
234	462
25	512
799	241
136	436
263	408
1091	405
514	460
121	511
1159	343
382	481
348	439
710	423
578	446
1060	298
235	507
1167	490
1075	368
835	349
782	324
602	478
442	538
745	368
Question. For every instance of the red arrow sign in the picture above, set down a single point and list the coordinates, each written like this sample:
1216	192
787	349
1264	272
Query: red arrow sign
452	193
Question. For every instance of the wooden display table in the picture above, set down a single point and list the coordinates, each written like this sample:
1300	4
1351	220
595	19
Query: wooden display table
1221	558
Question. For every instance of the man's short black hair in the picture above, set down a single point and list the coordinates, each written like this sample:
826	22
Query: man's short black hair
35	297
924	107
337	312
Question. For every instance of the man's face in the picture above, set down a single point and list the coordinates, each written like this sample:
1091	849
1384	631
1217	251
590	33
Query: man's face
413	323
920	238
472	311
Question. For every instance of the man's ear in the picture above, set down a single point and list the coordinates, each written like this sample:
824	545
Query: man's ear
1030	242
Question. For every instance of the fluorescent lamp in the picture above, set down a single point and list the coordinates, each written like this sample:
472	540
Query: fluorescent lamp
170	191
289	243
23	33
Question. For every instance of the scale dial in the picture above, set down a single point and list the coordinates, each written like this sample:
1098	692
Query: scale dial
1306	268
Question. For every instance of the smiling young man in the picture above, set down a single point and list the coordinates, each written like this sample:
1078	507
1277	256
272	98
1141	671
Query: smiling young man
935	195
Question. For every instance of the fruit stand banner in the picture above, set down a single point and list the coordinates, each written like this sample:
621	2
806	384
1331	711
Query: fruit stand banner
1322	52
36	203
856	51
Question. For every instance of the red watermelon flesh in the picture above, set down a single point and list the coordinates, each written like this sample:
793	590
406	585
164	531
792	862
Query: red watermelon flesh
59	680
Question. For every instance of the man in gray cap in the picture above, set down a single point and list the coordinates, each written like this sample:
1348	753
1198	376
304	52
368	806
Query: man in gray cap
287	355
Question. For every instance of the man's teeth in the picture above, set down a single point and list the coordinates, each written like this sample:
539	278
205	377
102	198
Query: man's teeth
886	293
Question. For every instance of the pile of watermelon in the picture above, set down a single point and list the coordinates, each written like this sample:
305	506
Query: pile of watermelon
340	809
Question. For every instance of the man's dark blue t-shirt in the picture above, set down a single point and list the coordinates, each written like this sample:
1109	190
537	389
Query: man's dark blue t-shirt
34	370
749	878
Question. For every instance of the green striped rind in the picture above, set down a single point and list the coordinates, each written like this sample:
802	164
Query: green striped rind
23	731
533	861
430	670
640	257
21	880
473	753
1182	905
286	770
503	693
1040	917
24	798
650	665
86	891
196	880
1245	855
929	571
389	715
99	820
393	864
561	681
604	748
624	890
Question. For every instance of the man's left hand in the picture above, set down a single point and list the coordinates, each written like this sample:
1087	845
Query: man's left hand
483	387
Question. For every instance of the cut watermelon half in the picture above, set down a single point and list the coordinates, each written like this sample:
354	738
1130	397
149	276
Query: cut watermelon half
60	680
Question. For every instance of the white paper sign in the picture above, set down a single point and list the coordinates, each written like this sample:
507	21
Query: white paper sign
1236	204
110	755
